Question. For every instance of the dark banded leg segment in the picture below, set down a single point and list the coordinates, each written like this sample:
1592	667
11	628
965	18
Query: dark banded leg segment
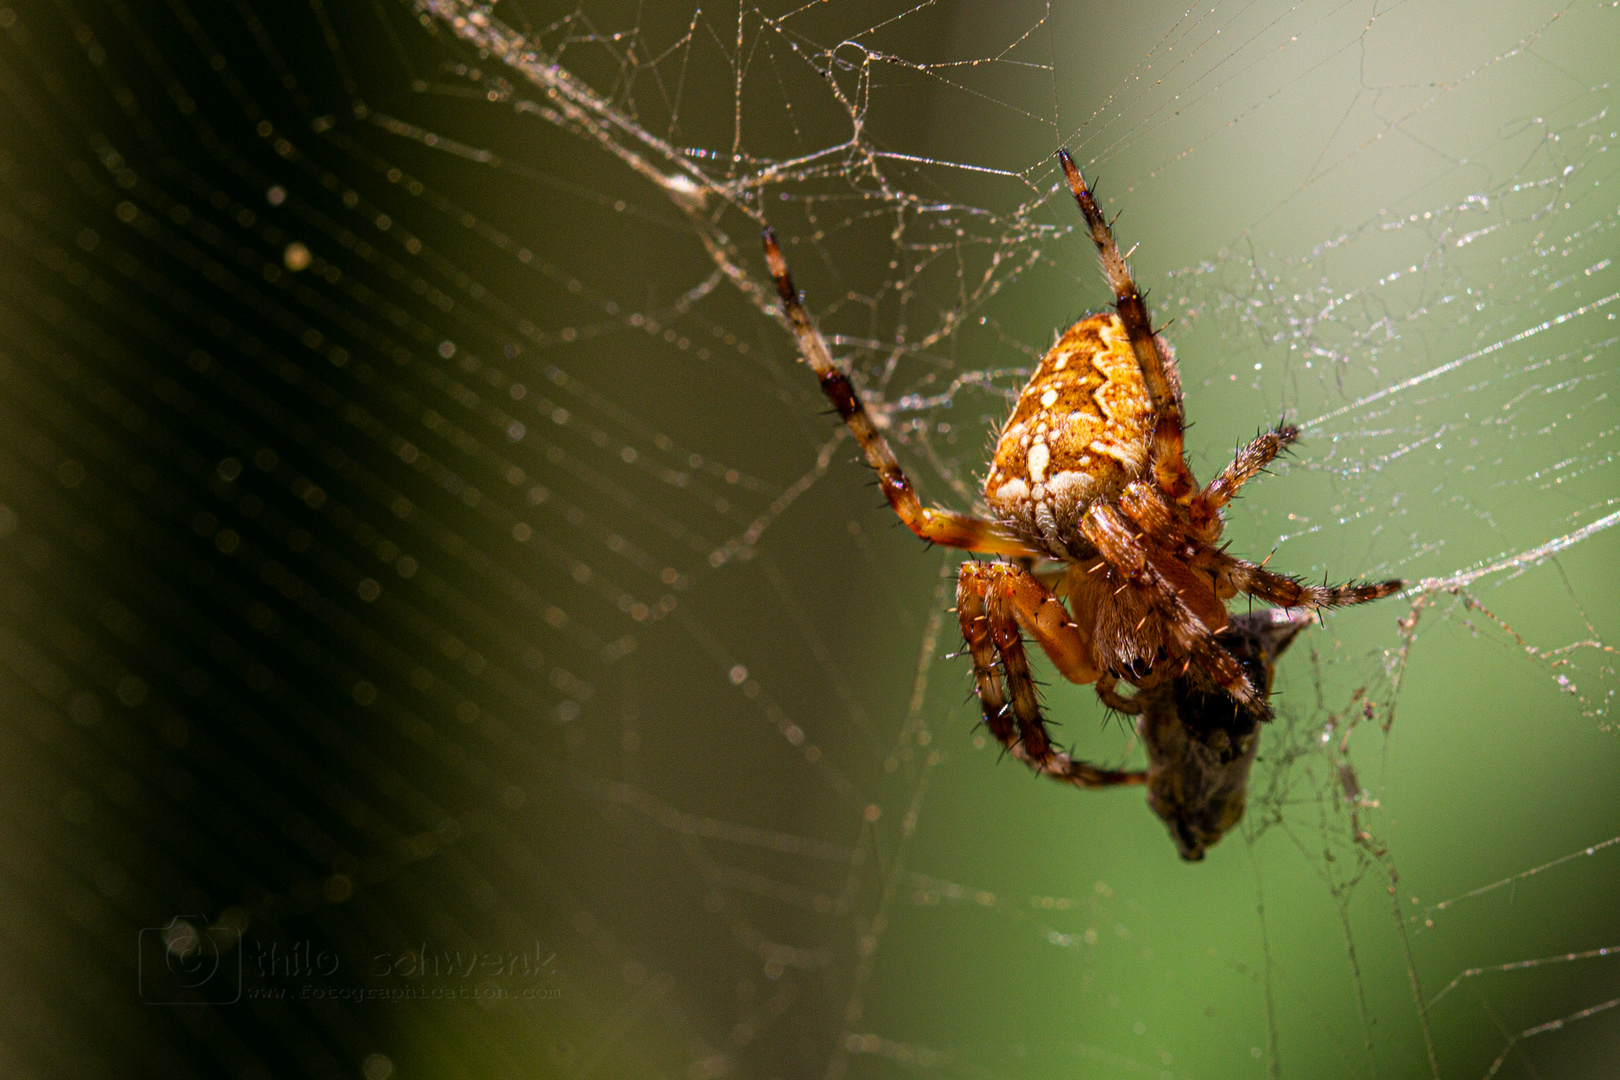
934	525
1287	592
1170	469
994	601
1245	466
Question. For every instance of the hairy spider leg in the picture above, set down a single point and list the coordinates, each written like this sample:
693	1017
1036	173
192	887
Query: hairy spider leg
937	526
1117	543
1288	592
1142	503
1248	463
994	602
1158	376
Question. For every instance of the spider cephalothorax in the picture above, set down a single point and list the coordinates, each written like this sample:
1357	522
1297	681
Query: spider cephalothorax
1088	471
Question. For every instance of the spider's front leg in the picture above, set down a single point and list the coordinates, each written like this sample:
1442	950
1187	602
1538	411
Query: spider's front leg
934	525
995	603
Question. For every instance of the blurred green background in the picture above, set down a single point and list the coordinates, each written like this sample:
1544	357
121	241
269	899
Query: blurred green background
442	634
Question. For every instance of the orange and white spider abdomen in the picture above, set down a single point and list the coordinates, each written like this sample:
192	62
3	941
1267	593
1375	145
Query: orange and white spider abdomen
1081	431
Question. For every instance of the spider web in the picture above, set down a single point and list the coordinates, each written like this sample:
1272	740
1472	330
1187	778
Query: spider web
422	543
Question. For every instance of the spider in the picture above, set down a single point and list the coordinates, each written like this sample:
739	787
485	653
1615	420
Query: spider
1088	474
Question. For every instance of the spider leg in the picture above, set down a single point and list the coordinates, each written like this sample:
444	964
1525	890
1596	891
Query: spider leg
1142	503
1188	635
1158	370
1287	592
995	601
1250	460
934	525
1037	611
